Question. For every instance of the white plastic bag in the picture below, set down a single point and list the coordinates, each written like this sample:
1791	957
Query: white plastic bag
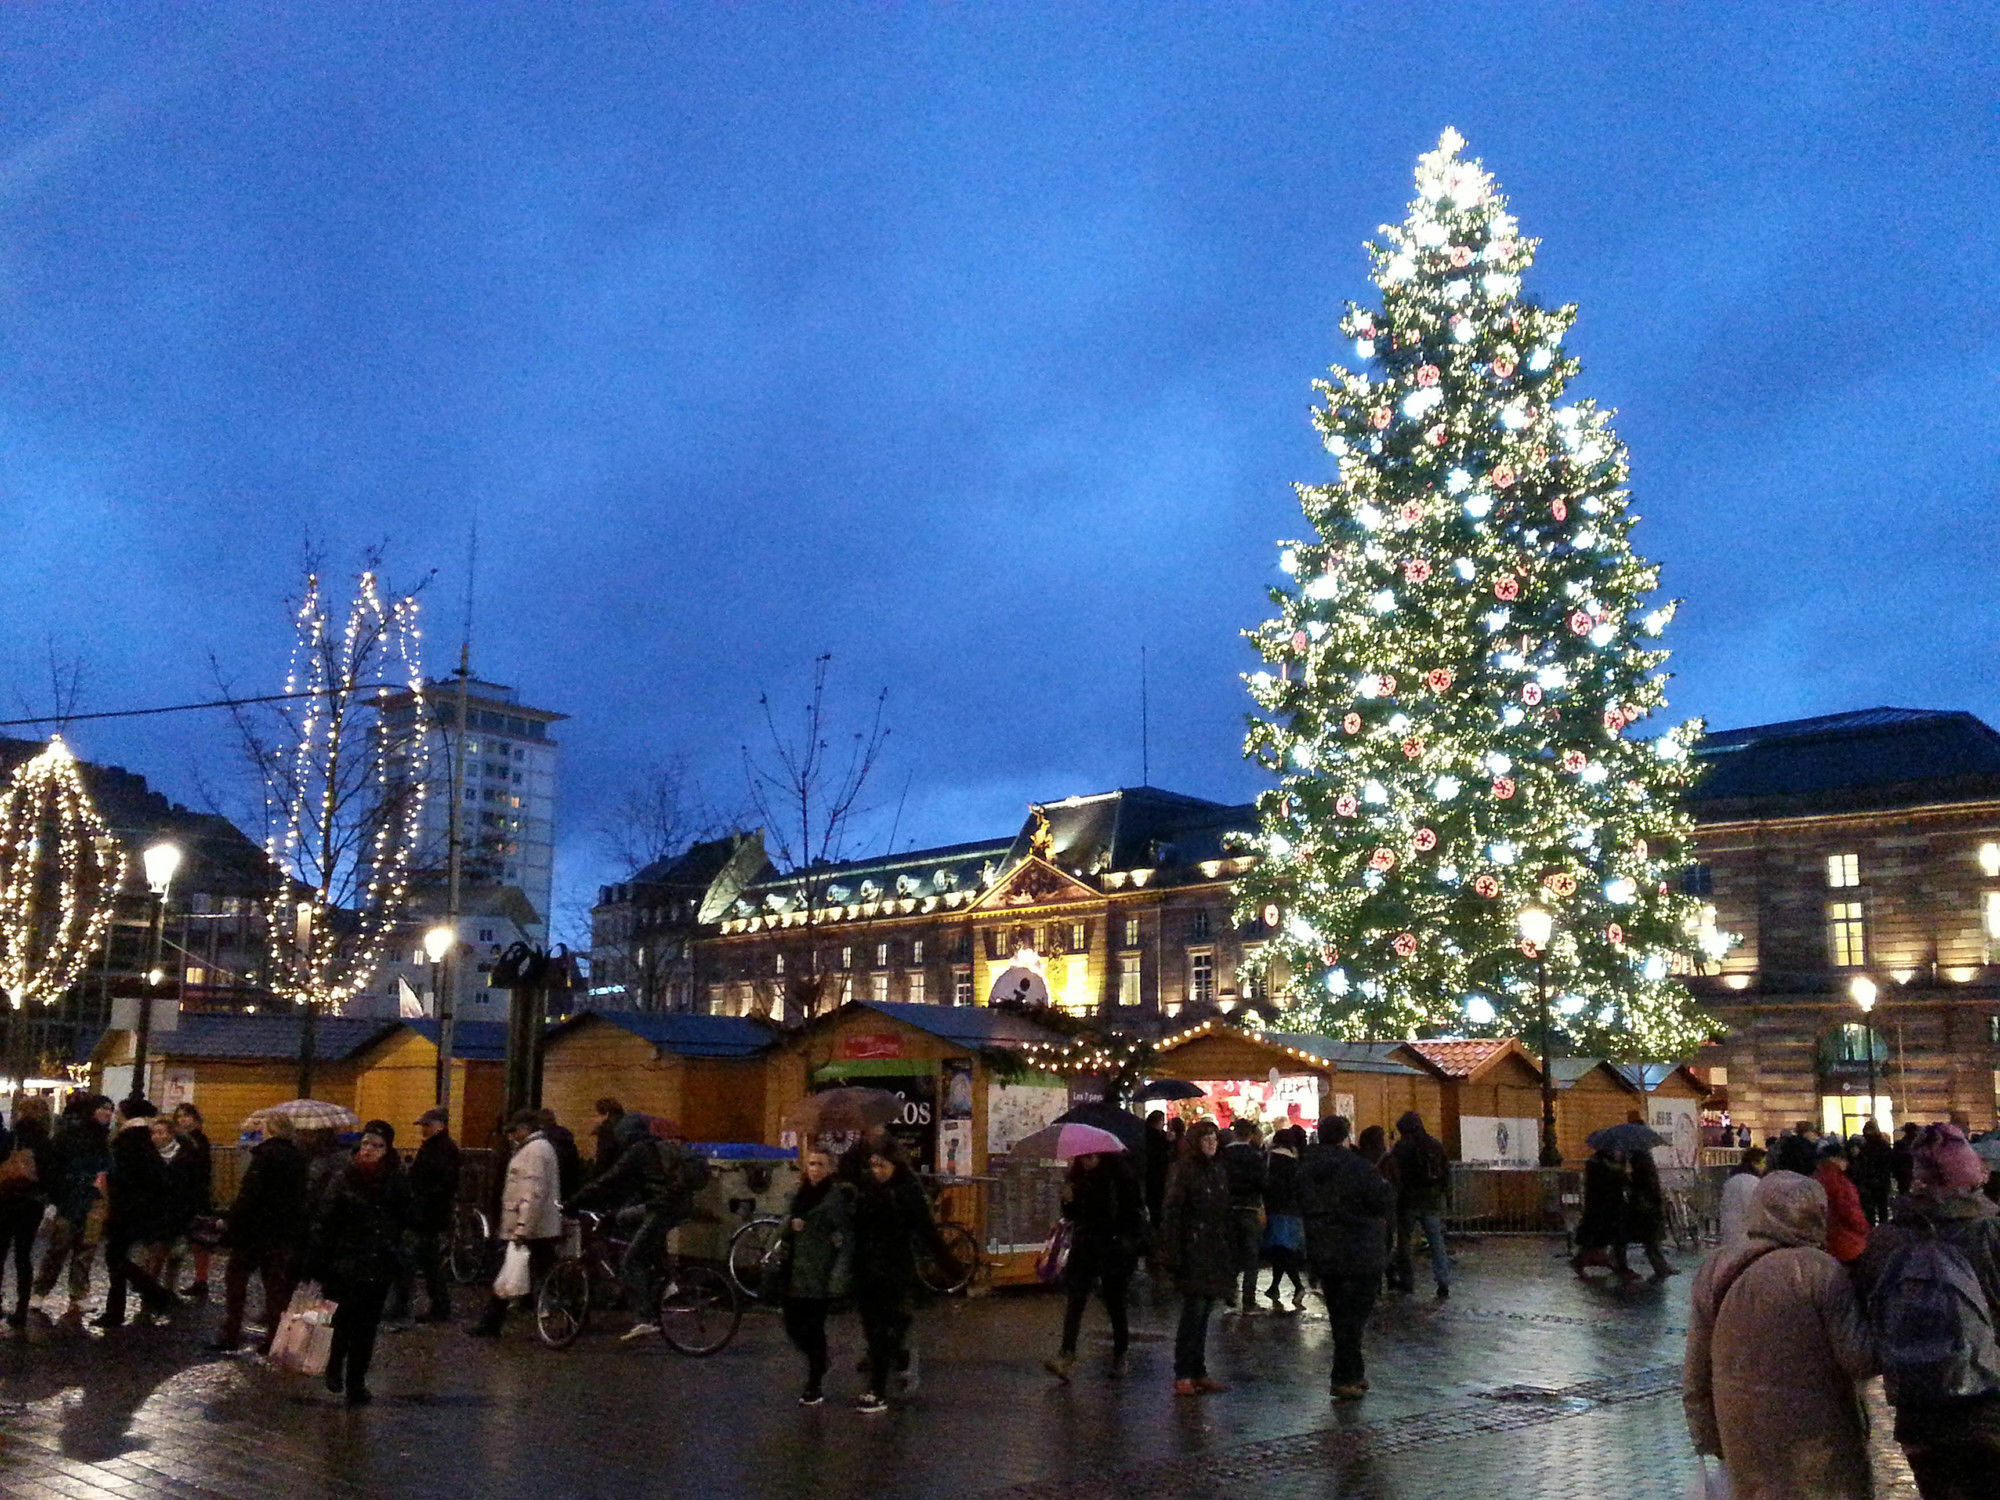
1710	1480
513	1280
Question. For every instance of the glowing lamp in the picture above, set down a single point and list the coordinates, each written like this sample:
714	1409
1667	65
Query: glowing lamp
1537	926
161	860
1989	858
438	942
1864	991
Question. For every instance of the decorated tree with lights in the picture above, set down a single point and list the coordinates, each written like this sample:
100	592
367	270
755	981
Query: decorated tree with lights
60	872
1457	666
343	793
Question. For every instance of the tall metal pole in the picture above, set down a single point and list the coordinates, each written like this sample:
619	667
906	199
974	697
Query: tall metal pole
1868	1038
145	1032
447	1005
1551	1153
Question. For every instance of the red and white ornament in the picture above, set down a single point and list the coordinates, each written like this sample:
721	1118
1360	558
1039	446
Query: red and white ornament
1405	944
1382	859
1507	589
1352	723
1503	477
1503	787
1531	693
1461	257
1413	747
1416	570
1581	622
1379	418
1503	367
1574	761
1559	510
1426	840
1300	640
1427	375
1346	805
1485	885
1438	679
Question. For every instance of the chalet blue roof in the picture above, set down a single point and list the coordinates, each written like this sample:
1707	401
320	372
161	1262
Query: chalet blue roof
1351	1057
962	1025
230	1036
1870	758
476	1041
691	1035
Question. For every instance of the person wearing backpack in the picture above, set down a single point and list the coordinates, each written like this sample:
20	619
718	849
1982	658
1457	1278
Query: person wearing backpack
1423	1172
1775	1346
659	1177
1933	1279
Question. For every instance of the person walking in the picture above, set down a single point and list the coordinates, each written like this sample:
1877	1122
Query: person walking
1902	1156
1932	1276
1284	1229
1734	1213
199	1175
1645	1213
1423	1172
355	1254
1103	1201
264	1232
1874	1172
82	1165
569	1160
1373	1148
1775	1347
1198	1248
1600	1233
137	1191
166	1254
1242	1158
891	1217
818	1263
1347	1204
1159	1158
530	1210
433	1180
1846	1224
24	1202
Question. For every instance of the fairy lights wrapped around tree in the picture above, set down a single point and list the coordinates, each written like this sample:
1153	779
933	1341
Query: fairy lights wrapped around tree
60	873
1458	661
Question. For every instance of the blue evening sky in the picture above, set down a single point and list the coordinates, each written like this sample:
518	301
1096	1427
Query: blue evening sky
970	343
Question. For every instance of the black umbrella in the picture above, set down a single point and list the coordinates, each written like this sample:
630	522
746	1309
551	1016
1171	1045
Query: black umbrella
1122	1123
1630	1136
1170	1088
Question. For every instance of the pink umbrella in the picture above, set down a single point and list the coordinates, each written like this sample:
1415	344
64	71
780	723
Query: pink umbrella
1066	1141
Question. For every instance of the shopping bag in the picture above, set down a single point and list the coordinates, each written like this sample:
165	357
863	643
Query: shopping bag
513	1280
304	1339
1049	1265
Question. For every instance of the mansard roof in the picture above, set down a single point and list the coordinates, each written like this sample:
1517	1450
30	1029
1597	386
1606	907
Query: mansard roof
1874	758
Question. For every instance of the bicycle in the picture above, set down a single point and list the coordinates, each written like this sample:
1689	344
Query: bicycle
967	1262
695	1305
471	1255
753	1256
1683	1228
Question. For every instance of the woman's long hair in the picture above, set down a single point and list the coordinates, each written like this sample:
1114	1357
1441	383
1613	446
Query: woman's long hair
1191	1142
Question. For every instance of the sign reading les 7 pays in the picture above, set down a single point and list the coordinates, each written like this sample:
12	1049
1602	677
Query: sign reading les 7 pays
859	1046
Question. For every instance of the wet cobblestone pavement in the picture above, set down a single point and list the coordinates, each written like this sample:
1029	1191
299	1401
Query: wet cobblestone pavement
1526	1383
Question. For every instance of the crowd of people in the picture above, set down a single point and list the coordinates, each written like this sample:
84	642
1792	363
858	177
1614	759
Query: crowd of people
1841	1260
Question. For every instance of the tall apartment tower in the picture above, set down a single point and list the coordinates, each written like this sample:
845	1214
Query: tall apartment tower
507	823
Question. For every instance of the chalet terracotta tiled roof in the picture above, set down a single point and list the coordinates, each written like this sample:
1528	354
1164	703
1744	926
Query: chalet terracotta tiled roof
1457	1059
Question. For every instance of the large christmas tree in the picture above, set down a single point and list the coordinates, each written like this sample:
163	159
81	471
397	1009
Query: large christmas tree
1457	669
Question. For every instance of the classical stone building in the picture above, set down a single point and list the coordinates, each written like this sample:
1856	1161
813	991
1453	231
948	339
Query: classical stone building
1857	856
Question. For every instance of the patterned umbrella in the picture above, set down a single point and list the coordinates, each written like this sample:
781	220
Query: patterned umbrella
843	1111
305	1114
1066	1141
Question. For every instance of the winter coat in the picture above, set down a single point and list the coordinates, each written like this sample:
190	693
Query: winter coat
81	1151
609	1145
1645	1205
1775	1345
434	1184
1874	1166
270	1206
890	1219
1281	1183
199	1171
1903	1162
357	1236
139	1187
183	1184
1423	1171
31	1136
1159	1158
1198	1239
656	1172
1245	1168
1347	1203
569	1161
1605	1180
1846	1224
1110	1221
529	1206
819	1259
1735	1211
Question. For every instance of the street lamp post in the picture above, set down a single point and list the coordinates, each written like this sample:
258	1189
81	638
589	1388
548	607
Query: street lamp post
1864	991
1537	927
438	943
162	860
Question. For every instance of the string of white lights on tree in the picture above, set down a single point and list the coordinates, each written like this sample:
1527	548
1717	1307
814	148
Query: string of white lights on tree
1458	660
60	873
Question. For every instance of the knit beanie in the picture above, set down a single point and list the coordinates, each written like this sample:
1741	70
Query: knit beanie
1946	1164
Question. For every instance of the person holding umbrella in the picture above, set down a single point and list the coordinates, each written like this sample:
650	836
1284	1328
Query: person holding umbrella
1103	1205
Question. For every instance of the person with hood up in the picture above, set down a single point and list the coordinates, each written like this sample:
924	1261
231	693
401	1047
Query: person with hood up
530	1210
138	1192
1102	1200
1423	1173
1947	1416
818	1263
1197	1247
1734	1213
1775	1347
264	1232
1347	1204
1846	1224
82	1162
356	1253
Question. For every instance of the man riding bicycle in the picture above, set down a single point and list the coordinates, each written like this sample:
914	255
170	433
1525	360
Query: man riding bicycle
653	1182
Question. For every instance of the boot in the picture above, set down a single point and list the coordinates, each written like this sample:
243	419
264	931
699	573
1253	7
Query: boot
1061	1365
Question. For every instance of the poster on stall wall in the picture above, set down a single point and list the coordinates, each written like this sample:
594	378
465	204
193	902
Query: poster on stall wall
1679	1122
1014	1110
1487	1141
955	1148
177	1090
957	1101
1292	1100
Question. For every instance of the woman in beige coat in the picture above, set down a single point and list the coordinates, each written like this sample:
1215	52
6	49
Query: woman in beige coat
1775	1344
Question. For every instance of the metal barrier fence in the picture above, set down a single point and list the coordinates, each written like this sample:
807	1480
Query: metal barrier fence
1510	1200
1024	1198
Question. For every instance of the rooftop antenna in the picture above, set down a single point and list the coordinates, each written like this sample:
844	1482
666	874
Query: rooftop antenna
897	822
454	838
1145	736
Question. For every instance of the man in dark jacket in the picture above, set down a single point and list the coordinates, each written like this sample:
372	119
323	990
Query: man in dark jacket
1243	1163
1159	1157
569	1160
265	1232
1346	1203
610	1142
1423	1172
433	1199
138	1196
1874	1172
82	1158
659	1178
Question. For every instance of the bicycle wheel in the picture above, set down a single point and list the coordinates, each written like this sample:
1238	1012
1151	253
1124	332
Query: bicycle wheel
699	1311
751	1250
562	1306
471	1239
947	1279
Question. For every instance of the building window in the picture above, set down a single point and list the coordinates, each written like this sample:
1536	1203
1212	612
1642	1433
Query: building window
1698	880
916	986
1131	932
961	989
1077	932
1199	931
916	950
196	974
1842	871
878	988
881	955
847	958
748	997
1201	978
1128	984
1847	934
1991	903
847	989
778	964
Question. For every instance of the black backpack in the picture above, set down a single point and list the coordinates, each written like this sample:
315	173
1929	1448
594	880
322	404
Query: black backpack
1933	1329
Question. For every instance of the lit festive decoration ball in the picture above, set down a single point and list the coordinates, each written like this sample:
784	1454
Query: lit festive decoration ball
1435	437
1438	679
1346	805
1380	417
1461	257
1531	693
1382	859
1574	761
1416	570
1271	914
1299	640
1581	622
1410	513
1503	367
1561	882
1413	747
1405	944
1615	933
1386	684
1427	375
1614	718
1329	954
1352	723
1507	589
1486	885
1503	477
1426	840
1559	510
